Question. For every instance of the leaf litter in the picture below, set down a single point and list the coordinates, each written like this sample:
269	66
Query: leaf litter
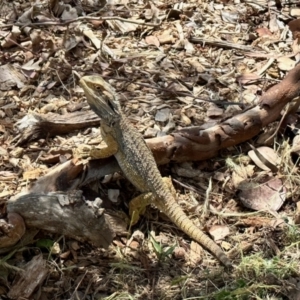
174	66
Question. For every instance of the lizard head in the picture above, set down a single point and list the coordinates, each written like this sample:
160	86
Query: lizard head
101	97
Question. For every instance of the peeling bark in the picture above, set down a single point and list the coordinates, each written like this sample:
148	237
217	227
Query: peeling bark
12	230
33	275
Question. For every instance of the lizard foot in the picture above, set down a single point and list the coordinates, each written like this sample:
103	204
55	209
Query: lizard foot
137	206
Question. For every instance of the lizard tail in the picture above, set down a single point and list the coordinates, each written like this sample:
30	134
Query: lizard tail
178	216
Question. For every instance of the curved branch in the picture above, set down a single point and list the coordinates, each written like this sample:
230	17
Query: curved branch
191	144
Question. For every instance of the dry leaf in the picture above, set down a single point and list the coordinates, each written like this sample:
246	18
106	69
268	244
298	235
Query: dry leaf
230	17
274	23
90	34
246	77
185	120
268	195
7	175
189	47
162	115
152	40
219	232
179	253
215	111
295	12
10	77
166	37
124	27
5	193
113	195
134	245
285	63
32	174
69	13
196	253
268	154
71	41
226	246
240	173
263	31
11	39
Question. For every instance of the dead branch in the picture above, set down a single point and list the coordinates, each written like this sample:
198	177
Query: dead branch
221	44
67	214
193	143
84	18
73	175
35	126
33	275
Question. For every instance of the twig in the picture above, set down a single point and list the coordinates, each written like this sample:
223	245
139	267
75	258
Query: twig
266	66
222	44
291	108
65	88
84	18
177	93
233	214
207	198
214	211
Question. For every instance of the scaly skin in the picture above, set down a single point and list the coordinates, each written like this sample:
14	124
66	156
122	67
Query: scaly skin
137	162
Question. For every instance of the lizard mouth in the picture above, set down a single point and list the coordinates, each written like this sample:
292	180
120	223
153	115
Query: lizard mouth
100	96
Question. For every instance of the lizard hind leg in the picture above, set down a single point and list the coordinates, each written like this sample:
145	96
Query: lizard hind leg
137	206
168	182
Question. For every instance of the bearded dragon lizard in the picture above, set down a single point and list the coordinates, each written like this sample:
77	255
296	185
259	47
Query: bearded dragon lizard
137	162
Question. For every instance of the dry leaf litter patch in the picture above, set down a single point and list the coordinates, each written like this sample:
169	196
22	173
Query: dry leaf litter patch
174	65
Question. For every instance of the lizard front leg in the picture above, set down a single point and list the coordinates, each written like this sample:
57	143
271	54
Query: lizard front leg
85	151
110	149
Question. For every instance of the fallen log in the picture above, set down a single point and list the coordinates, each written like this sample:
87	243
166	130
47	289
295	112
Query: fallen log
67	214
193	143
